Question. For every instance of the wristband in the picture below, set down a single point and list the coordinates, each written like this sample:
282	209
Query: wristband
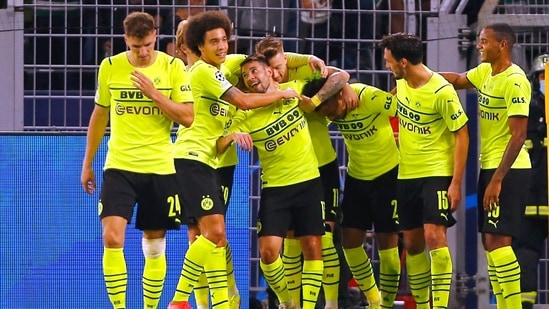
316	100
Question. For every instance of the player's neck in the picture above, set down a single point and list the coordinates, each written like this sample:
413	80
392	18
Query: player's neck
418	76
500	65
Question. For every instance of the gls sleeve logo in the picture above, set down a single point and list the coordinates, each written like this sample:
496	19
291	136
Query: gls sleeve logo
518	100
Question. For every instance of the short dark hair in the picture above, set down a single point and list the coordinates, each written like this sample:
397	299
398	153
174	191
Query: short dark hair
503	32
203	22
139	24
254	58
404	45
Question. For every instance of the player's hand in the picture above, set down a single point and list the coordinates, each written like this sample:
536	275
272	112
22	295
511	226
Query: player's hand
491	195
306	104
87	179
289	93
349	97
318	64
454	195
243	140
143	83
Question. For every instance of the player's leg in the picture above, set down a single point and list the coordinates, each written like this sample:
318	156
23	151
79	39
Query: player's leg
158	210
437	218
274	219
499	229
117	200
357	216
226	177
385	214
203	202
309	205
410	214
293	266
329	173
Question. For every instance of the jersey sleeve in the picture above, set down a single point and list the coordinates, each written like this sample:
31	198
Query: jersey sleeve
375	99
102	94
449	106
475	75
181	83
517	96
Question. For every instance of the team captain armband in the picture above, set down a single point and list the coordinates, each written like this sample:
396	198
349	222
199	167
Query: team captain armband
316	100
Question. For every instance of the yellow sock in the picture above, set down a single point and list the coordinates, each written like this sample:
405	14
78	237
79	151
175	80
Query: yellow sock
154	274
216	272
441	276
496	289
389	276
361	268
330	280
116	276
311	282
508	273
195	258
291	257
231	282
201	292
274	275
529	297
419	278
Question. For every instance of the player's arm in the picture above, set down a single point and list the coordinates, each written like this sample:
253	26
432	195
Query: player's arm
96	130
182	113
458	80
246	101
295	60
460	159
334	83
518	126
243	140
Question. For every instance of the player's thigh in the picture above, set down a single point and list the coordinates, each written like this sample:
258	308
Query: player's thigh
199	189
118	195
158	204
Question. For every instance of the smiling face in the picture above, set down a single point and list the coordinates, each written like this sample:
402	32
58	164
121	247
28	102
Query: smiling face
488	46
214	49
256	76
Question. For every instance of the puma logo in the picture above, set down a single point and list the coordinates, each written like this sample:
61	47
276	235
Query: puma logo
494	223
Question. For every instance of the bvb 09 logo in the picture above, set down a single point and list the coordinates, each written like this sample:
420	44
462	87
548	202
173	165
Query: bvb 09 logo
206	203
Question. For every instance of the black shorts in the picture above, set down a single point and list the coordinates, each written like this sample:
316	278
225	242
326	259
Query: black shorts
226	177
506	218
371	201
424	200
199	189
299	205
158	207
329	174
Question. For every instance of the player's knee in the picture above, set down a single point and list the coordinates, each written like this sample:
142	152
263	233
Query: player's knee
153	248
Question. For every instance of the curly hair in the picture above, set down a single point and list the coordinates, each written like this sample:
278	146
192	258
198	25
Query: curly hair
203	22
